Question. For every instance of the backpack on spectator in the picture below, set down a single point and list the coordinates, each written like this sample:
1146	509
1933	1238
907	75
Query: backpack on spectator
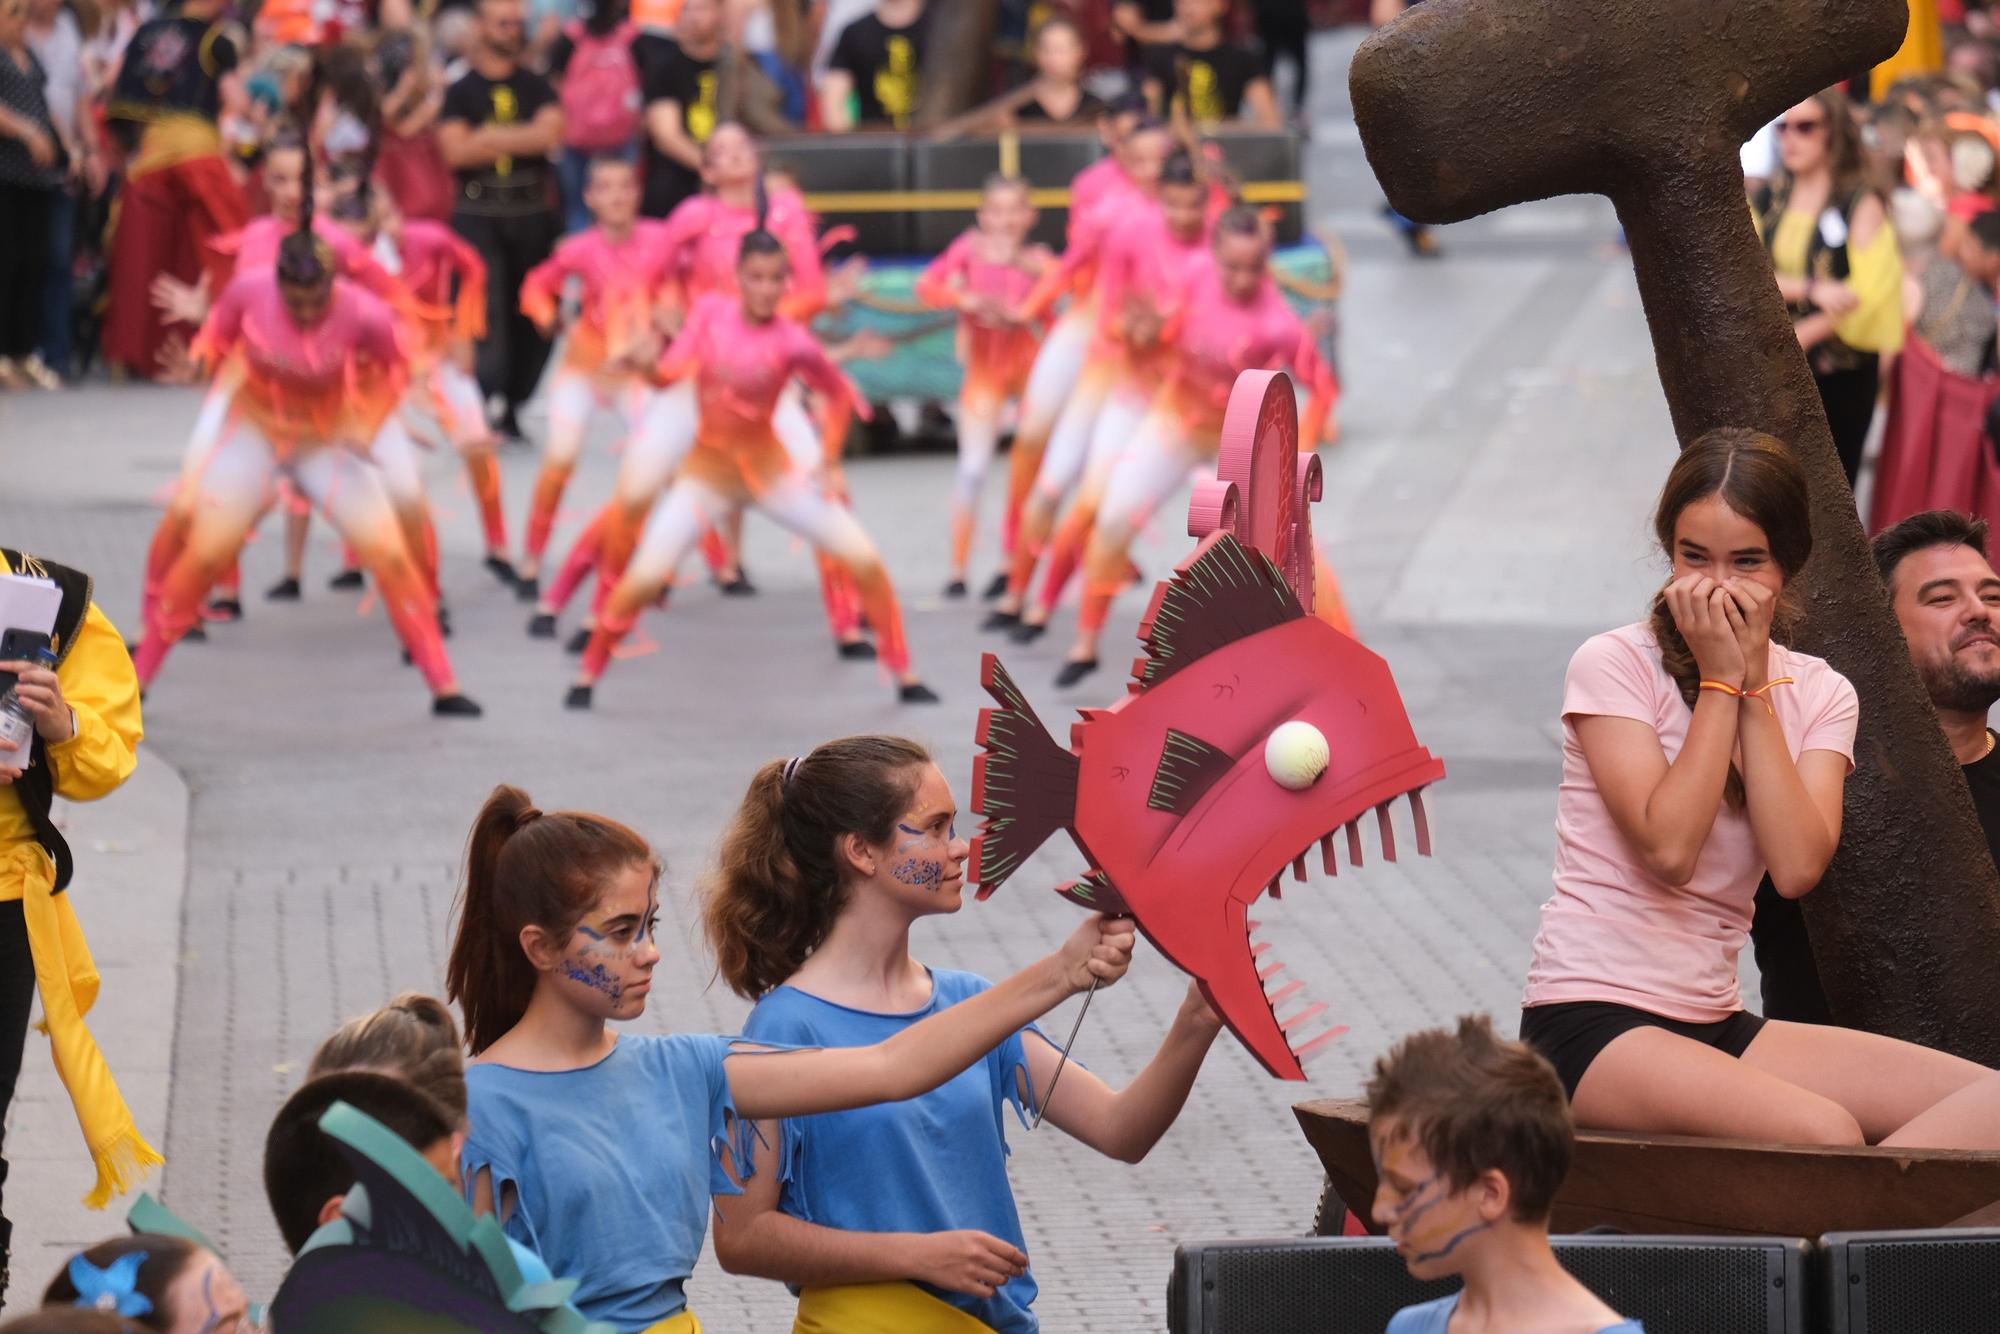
600	89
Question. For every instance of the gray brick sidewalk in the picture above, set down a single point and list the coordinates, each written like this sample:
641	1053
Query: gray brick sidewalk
1486	508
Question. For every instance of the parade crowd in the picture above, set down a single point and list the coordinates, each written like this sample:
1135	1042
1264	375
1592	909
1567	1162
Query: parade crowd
327	218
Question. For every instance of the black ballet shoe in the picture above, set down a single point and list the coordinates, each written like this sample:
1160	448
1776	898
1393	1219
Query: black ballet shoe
916	693
740	587
1073	671
455	706
1000	620
527	588
994	588
543	626
856	650
285	590
346	580
1027	632
578	698
225	609
955	589
578	642
444	622
503	570
195	635
1133	574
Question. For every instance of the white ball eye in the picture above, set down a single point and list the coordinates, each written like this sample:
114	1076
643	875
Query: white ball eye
1296	754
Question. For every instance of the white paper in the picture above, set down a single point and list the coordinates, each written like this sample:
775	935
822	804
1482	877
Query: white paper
29	604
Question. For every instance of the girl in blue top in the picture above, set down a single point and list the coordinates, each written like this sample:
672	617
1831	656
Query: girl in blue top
600	1150
899	1216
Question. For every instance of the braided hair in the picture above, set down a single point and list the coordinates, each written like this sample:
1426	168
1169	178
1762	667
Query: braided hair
303	259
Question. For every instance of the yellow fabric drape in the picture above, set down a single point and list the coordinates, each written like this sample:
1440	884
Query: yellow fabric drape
1922	51
683	1323
1874	272
880	1308
98	683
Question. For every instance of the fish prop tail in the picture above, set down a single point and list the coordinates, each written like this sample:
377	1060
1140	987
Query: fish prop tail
1023	783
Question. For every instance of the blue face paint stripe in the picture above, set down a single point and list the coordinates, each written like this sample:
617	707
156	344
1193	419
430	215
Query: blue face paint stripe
1425	1257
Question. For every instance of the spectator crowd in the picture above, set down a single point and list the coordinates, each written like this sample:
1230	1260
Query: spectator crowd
131	132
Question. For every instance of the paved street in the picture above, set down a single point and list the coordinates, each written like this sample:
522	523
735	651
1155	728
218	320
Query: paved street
1487	508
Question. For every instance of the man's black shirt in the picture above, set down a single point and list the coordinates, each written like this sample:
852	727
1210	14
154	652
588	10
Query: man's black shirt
514	100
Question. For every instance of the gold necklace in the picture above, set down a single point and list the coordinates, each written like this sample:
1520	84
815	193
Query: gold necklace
1989	746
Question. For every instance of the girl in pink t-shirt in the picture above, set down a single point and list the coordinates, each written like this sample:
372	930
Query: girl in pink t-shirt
1698	754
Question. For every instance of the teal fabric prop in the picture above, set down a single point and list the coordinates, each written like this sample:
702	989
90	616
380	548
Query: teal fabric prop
924	364
407	1254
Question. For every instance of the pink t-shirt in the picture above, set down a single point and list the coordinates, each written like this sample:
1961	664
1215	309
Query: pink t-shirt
1615	932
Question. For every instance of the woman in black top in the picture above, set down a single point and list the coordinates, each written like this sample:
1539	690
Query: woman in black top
31	171
1058	96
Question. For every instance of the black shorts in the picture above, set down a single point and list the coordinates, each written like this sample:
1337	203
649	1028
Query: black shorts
1571	1034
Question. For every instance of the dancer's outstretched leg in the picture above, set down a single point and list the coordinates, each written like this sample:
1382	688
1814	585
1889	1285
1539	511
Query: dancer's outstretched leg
352	494
571	398
233	492
1153	468
676	524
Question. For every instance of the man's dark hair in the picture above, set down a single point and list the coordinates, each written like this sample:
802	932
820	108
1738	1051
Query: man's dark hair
1932	528
1475	1103
1986	229
304	1167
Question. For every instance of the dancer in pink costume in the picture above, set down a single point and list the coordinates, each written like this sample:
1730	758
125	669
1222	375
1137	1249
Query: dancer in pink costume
321	371
740	353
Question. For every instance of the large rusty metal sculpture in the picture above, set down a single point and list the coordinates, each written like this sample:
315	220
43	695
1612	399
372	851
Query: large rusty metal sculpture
1466	106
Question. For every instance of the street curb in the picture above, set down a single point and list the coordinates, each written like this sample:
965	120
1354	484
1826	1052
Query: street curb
131	879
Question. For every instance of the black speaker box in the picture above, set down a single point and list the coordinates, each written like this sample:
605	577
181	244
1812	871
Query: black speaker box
1352	1285
1945	1281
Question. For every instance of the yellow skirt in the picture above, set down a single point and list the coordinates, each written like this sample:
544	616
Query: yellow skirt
682	1323
880	1308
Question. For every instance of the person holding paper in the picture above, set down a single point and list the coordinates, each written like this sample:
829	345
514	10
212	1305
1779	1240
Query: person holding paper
87	729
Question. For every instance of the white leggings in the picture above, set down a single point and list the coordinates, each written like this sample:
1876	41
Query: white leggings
573	395
978	439
1152	467
455	400
691	506
1070	442
1057	367
662	438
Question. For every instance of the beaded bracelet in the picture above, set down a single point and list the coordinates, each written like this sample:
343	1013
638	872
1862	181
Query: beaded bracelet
1725	688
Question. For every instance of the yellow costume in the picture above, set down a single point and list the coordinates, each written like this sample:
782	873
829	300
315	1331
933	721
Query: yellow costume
99	685
880	1308
1874	272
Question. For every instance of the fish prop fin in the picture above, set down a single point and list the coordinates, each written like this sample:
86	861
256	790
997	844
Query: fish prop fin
1223	593
1023	782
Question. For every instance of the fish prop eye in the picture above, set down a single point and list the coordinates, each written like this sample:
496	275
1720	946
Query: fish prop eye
1295	755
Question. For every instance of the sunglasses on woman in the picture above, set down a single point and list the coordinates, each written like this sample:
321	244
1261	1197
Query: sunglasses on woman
1801	127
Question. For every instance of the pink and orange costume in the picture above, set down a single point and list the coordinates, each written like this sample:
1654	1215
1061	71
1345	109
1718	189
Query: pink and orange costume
1143	265
253	248
740	370
306	407
1213	340
998	356
702	238
622	279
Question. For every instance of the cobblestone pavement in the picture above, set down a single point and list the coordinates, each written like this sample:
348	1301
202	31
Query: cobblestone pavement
1486	508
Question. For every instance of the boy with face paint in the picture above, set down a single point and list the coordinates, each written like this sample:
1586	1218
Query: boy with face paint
1471	1138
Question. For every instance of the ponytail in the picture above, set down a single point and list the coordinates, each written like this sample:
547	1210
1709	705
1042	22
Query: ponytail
414	1038
525	868
780	881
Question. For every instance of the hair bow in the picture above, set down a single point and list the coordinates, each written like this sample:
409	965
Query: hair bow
114	1288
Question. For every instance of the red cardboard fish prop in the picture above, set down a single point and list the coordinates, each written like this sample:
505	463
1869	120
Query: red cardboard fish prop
1251	732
